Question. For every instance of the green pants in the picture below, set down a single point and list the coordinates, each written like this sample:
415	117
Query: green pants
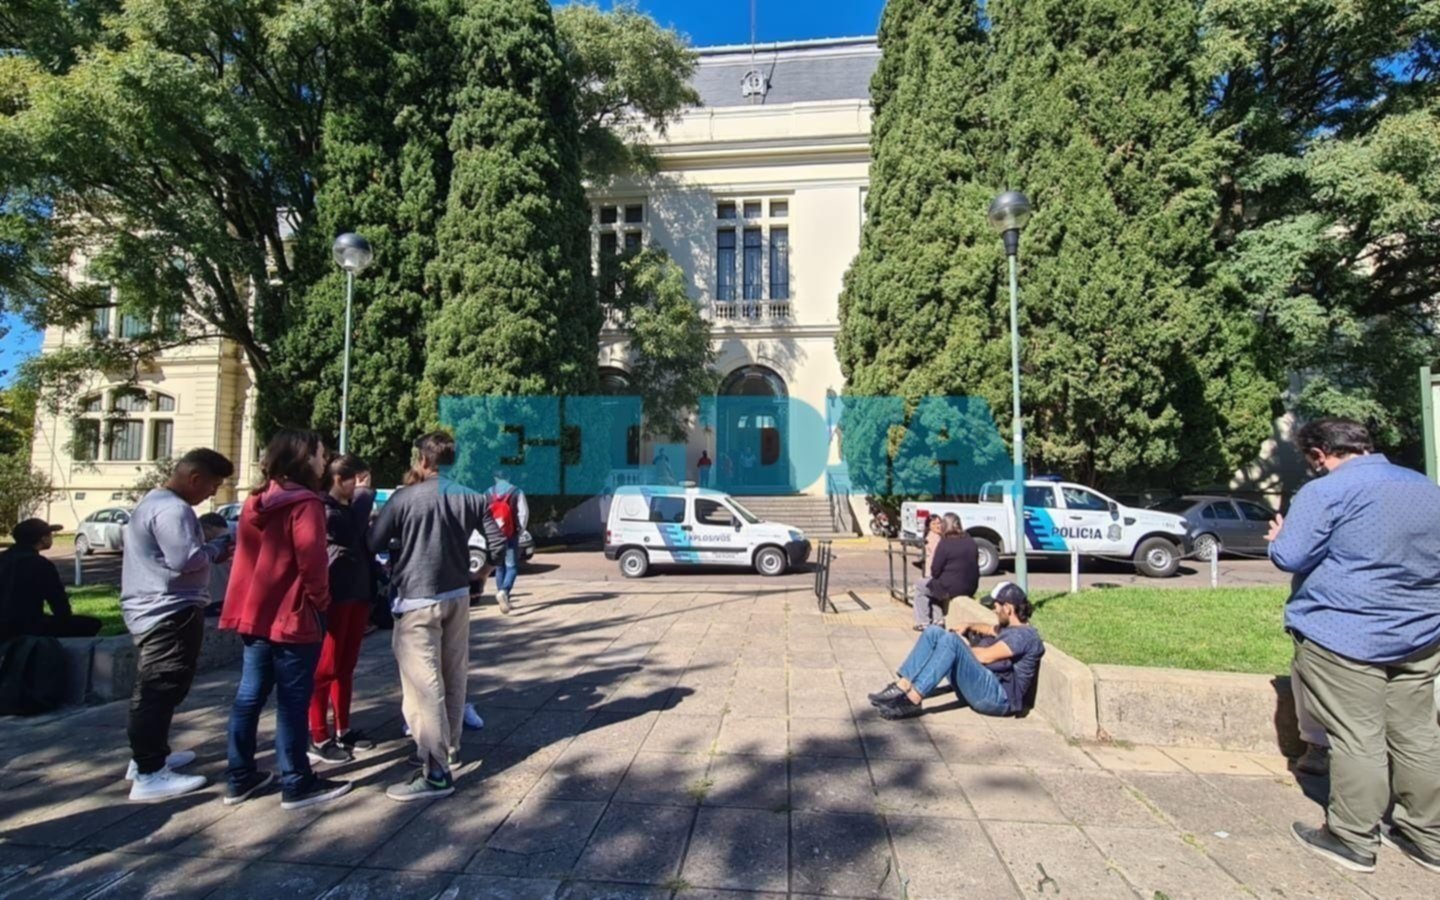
1384	741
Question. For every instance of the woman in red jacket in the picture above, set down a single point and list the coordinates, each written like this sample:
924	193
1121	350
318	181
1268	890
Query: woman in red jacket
279	590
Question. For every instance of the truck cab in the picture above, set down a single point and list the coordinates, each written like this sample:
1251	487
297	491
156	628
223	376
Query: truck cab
1060	518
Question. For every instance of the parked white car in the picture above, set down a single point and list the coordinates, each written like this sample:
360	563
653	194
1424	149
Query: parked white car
103	529
695	526
1060	518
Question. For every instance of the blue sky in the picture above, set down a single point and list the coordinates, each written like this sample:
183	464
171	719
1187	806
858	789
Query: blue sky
704	24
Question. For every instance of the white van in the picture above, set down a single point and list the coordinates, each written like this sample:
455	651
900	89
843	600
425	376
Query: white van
653	525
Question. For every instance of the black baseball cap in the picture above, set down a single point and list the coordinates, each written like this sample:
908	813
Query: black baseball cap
1004	592
31	531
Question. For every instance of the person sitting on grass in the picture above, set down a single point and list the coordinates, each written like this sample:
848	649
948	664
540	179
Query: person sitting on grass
991	667
29	582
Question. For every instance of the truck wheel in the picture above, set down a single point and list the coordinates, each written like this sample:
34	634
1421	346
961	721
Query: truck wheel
989	556
634	563
770	561
1157	557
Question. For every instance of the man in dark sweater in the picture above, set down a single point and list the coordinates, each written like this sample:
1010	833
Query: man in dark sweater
992	667
29	581
431	522
954	571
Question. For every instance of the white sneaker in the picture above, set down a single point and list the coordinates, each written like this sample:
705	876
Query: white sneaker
503	598
472	718
177	760
163	785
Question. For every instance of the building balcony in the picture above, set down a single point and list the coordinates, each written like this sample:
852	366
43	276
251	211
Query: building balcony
750	312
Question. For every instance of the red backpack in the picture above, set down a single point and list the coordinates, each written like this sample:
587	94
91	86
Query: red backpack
502	510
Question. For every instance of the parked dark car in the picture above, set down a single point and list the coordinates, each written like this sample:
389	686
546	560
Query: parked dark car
1222	524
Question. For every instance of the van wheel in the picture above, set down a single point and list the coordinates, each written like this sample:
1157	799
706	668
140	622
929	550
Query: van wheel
1157	557
770	561
989	556
634	563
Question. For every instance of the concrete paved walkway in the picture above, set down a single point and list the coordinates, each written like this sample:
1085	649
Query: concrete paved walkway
647	741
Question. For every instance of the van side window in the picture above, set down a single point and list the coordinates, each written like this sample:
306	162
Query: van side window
709	512
667	509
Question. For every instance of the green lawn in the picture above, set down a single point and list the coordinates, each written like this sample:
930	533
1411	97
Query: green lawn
1224	630
101	601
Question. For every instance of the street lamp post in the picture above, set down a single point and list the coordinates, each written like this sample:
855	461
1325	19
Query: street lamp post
1008	213
352	253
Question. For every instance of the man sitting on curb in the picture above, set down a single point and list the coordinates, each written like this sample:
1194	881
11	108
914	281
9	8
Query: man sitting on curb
991	667
29	581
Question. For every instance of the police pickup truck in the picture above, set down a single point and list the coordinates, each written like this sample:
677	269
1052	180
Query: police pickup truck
1060	518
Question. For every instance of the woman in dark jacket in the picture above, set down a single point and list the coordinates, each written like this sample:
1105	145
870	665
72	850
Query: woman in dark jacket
954	572
348	501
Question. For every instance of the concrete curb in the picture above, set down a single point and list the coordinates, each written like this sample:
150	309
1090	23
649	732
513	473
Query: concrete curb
102	669
1171	707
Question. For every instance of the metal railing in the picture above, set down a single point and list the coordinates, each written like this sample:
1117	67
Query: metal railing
823	555
902	548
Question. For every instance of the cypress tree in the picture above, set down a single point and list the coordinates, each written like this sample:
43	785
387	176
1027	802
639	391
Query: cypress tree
518	311
384	172
918	312
1131	365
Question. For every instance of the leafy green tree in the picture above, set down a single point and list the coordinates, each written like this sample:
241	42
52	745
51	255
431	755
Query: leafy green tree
631	78
518	312
17	418
919	313
668	342
1134	369
164	142
22	489
385	166
1329	222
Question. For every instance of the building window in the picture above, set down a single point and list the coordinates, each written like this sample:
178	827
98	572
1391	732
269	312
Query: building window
753	244
87	440
126	440
132	325
725	264
615	227
164	403
100	324
93	404
752	249
131	401
162	439
635	214
779	263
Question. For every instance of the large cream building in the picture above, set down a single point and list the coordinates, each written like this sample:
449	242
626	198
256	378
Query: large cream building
759	197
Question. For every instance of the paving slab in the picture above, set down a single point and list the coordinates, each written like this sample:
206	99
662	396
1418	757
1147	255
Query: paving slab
1194	805
947	858
1013	795
491	887
679	732
378	884
1159	863
673	779
637	844
826	737
1055	860
301	881
70	876
541	838
835	854
753	736
753	782
832	785
738	848
585	773
1203	761
1099	798
915	788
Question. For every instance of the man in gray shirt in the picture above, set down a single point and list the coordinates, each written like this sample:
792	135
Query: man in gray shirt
164	588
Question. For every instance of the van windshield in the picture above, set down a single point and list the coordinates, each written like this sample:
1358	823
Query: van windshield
744	513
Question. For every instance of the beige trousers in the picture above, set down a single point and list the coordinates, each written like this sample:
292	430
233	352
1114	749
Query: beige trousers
432	648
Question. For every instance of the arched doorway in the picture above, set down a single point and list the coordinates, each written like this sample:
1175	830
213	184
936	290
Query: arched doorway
625	449
750	446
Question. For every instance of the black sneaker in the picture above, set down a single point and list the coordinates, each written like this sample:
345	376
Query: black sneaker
353	740
318	790
886	694
1397	839
328	752
902	707
257	782
1322	843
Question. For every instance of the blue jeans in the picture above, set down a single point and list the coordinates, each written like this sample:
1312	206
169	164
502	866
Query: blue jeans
290	670
508	567
940	654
